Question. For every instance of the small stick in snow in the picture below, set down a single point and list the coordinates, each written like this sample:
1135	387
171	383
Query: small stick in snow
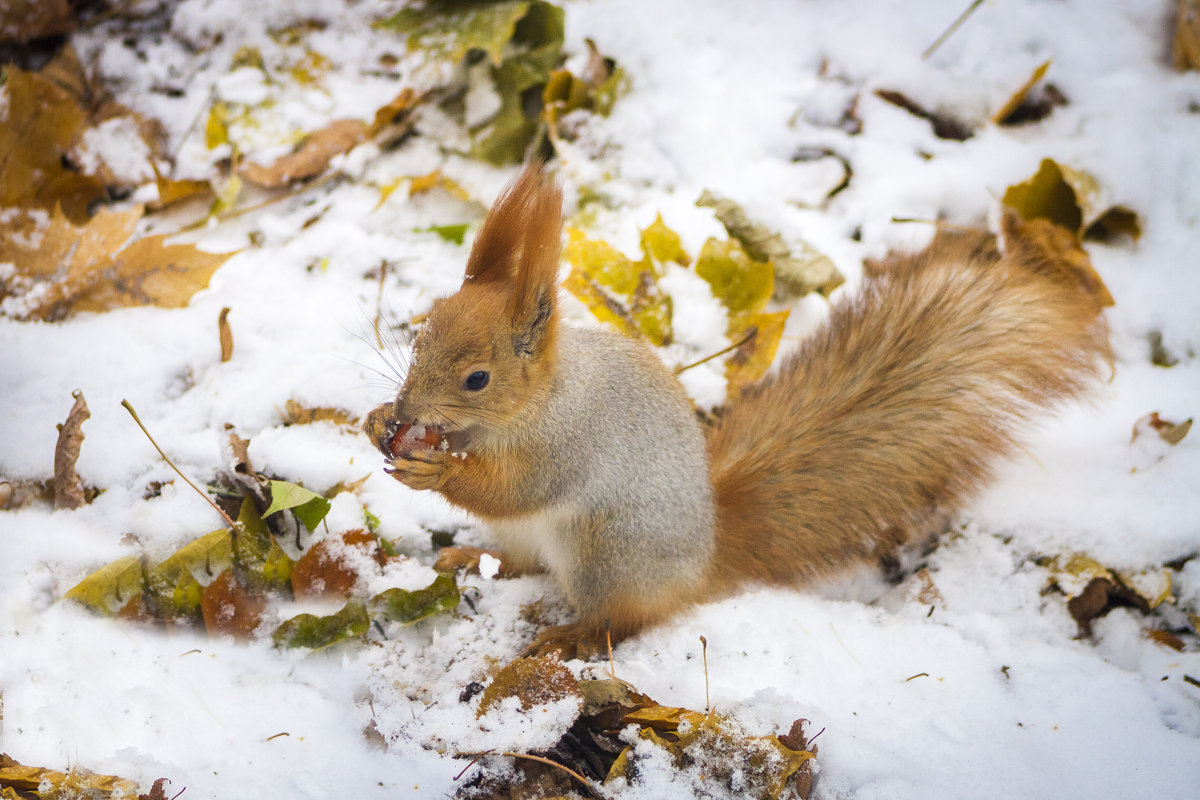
132	413
704	653
751	332
946	34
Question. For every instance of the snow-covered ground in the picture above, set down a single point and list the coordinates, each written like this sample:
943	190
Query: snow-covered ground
1008	702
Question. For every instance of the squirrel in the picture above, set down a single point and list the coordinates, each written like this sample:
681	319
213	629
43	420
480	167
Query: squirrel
581	451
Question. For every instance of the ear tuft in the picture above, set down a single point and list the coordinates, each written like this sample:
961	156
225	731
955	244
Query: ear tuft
520	240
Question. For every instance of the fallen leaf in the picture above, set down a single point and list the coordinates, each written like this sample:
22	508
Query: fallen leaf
535	681
157	792
308	506
310	158
51	784
944	126
299	414
68	488
450	233
1072	199
750	360
231	608
40	124
62	269
401	605
1166	639
311	631
111	586
1013	103
1051	246
323	570
173	589
225	335
522	43
261	562
1170	432
811	271
1186	51
22	20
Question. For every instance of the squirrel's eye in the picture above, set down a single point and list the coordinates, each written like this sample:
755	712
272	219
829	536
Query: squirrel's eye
476	381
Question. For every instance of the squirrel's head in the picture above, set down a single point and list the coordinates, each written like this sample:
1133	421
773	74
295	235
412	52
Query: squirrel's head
485	353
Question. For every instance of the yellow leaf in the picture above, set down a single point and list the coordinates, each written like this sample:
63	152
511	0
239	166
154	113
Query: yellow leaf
616	289
751	360
216	128
1018	96
663	244
111	586
741	283
1070	198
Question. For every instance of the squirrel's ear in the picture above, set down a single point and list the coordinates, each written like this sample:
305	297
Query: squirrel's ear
520	233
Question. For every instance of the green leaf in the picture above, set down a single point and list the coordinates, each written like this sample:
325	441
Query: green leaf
372	523
450	233
448	30
172	587
399	605
309	630
260	560
111	586
308	506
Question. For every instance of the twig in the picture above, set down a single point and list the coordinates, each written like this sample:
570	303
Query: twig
750	334
171	464
530	757
612	667
946	34
704	653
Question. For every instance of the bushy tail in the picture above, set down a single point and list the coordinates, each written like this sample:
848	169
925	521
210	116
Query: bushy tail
902	403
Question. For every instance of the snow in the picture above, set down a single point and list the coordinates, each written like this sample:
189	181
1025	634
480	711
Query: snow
988	692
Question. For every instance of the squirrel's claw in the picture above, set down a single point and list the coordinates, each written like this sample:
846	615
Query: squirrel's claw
420	469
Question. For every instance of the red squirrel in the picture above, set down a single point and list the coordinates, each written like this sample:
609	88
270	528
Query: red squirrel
584	456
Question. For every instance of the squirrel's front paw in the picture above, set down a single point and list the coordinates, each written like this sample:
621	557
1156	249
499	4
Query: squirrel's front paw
421	469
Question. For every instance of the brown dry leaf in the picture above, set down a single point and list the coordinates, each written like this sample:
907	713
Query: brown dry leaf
68	488
41	123
1005	111
150	272
535	681
225	334
1187	35
230	608
62	268
157	792
22	20
1166	639
389	114
311	157
1047	243
1170	432
944	126
299	414
323	571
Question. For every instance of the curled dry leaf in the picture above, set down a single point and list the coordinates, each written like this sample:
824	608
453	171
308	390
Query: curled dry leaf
225	335
944	126
1170	432
311	157
1073	199
1006	111
68	488
1186	53
18	780
295	413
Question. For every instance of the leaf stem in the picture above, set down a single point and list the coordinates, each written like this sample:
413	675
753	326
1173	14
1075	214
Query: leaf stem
751	332
171	464
946	34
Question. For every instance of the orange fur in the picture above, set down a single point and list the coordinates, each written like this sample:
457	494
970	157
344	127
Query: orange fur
899	406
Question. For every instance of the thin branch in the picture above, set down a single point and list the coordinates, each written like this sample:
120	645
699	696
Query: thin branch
171	464
946	34
750	334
